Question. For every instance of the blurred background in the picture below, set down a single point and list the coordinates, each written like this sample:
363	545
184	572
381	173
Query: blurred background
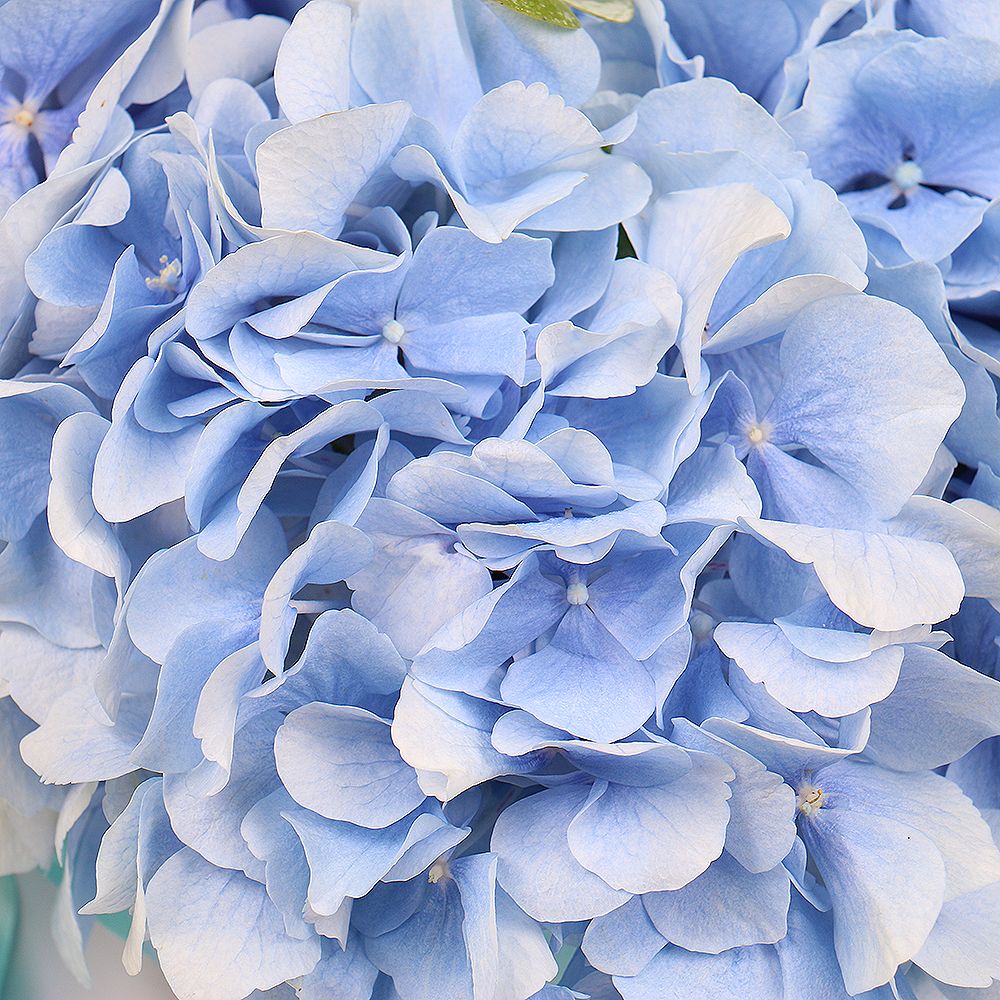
37	972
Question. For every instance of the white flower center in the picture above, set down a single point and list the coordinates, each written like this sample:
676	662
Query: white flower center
907	176
576	593
394	331
756	434
25	117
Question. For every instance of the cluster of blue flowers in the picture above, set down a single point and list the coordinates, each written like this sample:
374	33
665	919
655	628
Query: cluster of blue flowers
493	510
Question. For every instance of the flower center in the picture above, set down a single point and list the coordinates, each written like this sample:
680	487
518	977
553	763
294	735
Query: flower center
810	800
576	593
166	280
756	434
393	331
438	871
25	118
907	176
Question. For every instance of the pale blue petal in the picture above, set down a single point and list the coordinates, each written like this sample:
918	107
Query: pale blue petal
536	865
340	762
749	972
622	835
312	68
460	755
217	930
311	174
624	941
726	907
939	710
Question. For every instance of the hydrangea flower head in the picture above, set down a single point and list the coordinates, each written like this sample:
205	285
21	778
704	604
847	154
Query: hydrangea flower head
497	509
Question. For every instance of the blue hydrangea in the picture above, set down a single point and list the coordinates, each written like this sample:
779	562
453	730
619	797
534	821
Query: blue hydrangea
500	511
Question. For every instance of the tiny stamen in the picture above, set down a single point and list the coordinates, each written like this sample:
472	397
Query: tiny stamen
810	800
166	280
438	871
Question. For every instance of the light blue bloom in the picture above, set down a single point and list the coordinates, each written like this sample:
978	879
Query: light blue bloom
584	658
254	952
340	333
598	832
28	809
454	929
936	833
51	56
509	498
142	254
749	46
814	661
134	847
639	55
802	961
847	807
419	578
921	171
761	259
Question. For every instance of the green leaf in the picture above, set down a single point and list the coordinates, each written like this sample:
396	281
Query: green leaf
555	12
619	11
10	905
